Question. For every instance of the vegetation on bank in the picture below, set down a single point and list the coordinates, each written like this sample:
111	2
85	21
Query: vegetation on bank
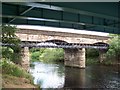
47	55
113	53
9	81
10	62
13	52
11	68
13	76
112	56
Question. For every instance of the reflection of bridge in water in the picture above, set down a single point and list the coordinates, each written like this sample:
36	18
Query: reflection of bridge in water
74	44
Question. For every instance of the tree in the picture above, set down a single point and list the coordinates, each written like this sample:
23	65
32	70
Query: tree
9	37
114	50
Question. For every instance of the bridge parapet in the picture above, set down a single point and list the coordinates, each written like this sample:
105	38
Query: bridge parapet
40	35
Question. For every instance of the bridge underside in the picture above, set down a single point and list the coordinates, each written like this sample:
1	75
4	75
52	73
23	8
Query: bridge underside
97	16
101	17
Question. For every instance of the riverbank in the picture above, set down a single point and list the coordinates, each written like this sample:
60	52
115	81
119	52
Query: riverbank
9	81
14	76
95	61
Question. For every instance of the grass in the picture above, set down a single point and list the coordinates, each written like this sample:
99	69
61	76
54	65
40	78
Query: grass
12	69
9	81
13	76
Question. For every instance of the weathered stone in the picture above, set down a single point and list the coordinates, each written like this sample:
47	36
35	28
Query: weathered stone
42	35
25	63
74	57
102	57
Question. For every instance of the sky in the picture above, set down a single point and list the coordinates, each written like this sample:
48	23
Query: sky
62	30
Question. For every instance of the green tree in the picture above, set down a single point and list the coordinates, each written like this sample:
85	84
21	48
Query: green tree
92	53
9	37
114	49
35	53
52	55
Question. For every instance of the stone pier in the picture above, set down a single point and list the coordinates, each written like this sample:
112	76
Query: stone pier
102	56
25	58
74	57
102	53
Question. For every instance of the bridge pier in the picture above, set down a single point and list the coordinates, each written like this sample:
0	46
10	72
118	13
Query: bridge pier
74	57
102	56
25	63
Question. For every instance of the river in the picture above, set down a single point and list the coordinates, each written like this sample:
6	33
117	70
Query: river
59	76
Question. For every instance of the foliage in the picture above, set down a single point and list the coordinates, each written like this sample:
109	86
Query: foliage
47	54
6	52
9	37
108	62
35	53
92	61
10	68
114	49
35	56
52	55
92	53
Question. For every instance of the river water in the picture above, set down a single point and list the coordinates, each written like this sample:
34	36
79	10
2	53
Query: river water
59	76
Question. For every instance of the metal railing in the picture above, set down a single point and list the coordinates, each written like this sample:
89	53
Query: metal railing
59	45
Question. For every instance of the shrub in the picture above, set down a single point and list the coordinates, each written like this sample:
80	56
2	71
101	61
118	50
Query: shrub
92	53
52	55
10	68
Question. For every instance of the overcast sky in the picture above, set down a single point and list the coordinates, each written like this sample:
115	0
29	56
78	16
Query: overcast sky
61	30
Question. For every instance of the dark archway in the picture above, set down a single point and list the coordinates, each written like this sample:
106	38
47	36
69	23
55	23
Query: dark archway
102	44
56	41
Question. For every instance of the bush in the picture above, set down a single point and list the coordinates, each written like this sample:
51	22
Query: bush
92	53
35	56
92	61
52	55
35	53
47	54
114	49
10	68
8	37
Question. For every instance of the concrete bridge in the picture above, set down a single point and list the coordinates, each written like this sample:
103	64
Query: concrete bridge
74	57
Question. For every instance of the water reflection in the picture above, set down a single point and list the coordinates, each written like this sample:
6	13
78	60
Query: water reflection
48	75
75	77
58	76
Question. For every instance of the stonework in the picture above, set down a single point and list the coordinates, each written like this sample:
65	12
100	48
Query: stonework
74	57
25	63
40	35
102	57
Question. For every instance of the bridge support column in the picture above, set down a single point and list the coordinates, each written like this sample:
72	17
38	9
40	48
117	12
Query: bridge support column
102	56
75	57
25	63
